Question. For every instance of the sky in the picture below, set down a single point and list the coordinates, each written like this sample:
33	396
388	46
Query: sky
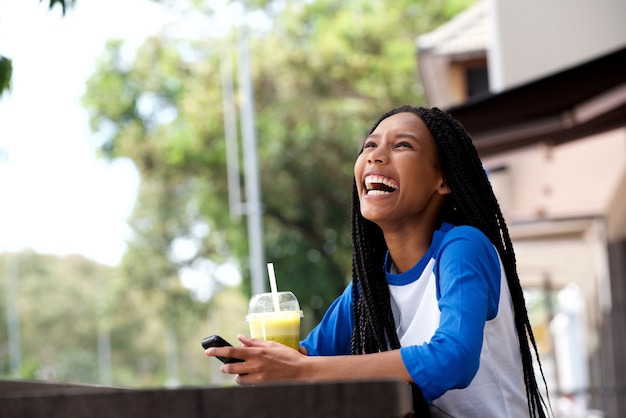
56	195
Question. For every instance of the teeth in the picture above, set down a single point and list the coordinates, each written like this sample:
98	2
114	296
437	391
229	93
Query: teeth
376	192
373	182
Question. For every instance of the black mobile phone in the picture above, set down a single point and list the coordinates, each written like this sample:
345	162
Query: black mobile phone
217	341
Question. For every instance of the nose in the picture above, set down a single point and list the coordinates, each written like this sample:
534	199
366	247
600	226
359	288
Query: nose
377	156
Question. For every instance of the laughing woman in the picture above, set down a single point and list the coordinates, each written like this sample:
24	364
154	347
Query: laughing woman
435	298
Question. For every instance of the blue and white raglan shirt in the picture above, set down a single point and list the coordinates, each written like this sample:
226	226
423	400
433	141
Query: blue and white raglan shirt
454	319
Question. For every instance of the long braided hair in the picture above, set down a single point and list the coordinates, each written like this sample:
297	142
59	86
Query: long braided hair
471	202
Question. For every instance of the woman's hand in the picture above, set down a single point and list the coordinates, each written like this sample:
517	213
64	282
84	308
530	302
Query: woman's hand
263	361
267	361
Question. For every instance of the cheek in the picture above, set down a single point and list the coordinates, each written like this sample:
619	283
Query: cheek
358	175
358	168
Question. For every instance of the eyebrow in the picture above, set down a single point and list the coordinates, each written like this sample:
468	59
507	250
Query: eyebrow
398	136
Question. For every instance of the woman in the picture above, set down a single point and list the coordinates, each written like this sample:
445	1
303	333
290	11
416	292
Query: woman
435	297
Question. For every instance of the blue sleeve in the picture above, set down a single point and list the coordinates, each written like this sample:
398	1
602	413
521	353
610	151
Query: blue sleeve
468	276
332	335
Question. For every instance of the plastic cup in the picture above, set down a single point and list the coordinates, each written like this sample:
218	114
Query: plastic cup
267	324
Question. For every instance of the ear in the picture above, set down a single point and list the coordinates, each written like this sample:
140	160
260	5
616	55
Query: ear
443	188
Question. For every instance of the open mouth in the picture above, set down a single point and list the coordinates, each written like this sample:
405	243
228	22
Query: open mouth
379	185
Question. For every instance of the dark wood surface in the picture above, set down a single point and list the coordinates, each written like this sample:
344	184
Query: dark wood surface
363	399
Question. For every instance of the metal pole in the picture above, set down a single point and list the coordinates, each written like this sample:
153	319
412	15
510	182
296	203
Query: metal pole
252	184
171	359
13	319
104	357
230	134
104	336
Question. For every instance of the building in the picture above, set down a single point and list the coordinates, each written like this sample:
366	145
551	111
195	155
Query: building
541	87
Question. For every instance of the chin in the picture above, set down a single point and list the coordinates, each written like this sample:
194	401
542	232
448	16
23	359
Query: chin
373	217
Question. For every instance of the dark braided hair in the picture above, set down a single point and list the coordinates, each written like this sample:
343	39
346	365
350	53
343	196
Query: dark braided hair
471	202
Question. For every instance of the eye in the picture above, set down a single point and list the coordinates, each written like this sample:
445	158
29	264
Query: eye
369	144
404	144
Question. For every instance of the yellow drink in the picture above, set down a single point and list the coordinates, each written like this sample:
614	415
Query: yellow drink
282	327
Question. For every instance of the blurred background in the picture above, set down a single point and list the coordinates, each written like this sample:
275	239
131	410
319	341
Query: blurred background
154	155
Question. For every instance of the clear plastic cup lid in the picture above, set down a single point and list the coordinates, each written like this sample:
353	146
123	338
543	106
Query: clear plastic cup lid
264	303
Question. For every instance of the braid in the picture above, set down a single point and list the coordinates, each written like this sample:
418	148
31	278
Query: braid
471	202
374	327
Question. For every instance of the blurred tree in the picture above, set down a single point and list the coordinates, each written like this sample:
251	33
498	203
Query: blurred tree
66	304
323	71
56	297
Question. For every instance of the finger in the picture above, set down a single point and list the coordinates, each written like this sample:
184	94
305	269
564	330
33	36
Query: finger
240	379
211	352
248	342
224	352
232	368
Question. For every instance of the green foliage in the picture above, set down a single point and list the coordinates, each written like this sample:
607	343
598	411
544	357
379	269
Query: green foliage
65	304
322	73
56	299
156	120
6	70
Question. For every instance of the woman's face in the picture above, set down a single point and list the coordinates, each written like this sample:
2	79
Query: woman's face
398	178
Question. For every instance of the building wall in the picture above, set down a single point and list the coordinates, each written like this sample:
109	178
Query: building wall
535	38
577	179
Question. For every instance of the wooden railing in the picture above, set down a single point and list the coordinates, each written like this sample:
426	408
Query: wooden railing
362	399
